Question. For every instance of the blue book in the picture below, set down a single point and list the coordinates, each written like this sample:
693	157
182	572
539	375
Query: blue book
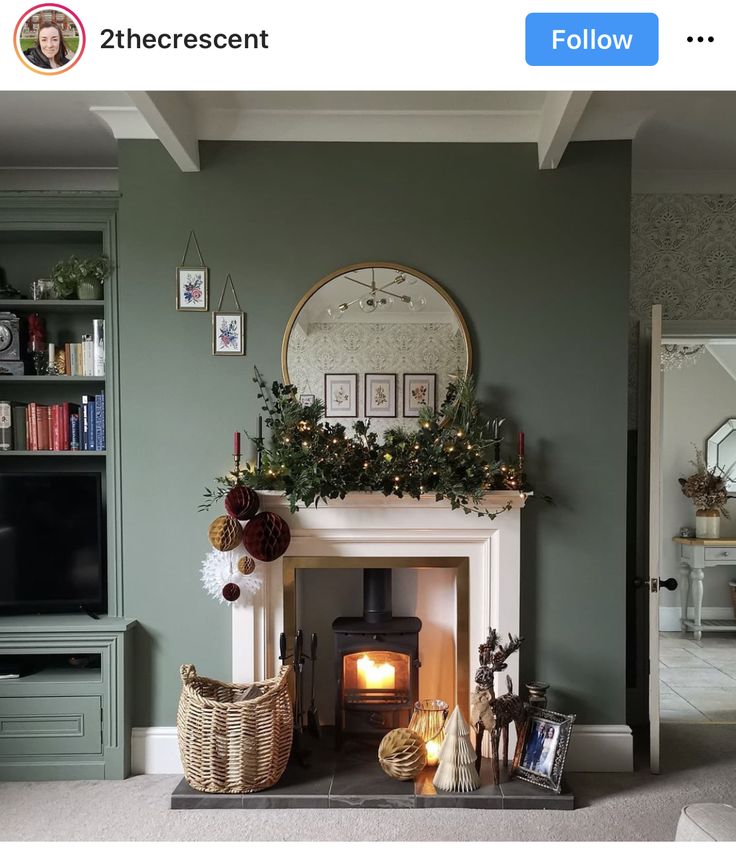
92	442
84	423
100	421
74	431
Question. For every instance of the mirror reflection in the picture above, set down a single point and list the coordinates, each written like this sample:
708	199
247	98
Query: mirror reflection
721	452
376	341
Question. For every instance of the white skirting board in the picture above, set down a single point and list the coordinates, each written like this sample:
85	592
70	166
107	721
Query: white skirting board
669	617
593	747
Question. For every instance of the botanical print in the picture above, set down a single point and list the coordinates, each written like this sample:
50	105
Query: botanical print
419	392
228	333
380	395
341	395
191	290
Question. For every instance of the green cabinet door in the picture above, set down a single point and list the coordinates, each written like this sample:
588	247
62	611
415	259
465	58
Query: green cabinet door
62	725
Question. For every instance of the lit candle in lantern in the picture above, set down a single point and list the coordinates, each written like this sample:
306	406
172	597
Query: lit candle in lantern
372	676
433	752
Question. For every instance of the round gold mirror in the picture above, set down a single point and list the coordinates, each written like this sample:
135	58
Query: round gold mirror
375	340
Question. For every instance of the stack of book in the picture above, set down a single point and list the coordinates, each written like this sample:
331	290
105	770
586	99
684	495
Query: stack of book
81	359
57	427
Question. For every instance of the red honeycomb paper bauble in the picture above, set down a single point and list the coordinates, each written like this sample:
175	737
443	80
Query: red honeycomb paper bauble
242	502
266	537
231	592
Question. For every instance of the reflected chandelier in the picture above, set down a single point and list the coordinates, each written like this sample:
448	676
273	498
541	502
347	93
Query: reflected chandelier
378	297
674	356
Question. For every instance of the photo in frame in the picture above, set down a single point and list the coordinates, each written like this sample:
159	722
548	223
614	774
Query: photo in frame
341	395
380	396
307	399
419	391
192	289
542	747
228	333
192	281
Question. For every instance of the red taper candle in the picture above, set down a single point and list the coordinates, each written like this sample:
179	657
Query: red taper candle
521	443
236	443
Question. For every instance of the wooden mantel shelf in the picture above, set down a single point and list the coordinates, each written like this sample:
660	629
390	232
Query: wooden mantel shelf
364	500
708	543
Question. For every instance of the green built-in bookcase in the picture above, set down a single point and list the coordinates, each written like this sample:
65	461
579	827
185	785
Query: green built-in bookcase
36	230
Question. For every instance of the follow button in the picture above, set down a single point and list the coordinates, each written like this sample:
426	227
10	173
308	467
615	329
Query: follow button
592	39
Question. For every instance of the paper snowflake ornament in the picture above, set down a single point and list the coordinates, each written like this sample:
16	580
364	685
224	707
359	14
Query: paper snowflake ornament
219	568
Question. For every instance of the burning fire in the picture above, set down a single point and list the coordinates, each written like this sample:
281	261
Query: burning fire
372	676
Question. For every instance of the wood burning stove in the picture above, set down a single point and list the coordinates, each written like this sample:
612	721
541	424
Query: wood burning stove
376	663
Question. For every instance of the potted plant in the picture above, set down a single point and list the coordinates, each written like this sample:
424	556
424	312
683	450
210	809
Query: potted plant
707	490
80	276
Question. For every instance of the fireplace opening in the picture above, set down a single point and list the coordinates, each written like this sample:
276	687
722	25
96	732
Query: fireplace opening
376	663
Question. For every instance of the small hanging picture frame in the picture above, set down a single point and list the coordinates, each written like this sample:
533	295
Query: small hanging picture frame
192	282
228	328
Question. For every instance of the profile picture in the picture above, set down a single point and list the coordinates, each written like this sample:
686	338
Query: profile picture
49	39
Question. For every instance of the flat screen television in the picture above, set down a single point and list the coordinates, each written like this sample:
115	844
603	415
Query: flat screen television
52	543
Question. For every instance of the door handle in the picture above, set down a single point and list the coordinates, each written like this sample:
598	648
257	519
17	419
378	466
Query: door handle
670	583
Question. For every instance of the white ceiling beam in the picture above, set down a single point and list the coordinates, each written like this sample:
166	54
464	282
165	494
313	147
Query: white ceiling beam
560	115
124	121
171	118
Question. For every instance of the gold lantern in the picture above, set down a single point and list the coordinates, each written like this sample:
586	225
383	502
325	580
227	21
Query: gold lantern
428	720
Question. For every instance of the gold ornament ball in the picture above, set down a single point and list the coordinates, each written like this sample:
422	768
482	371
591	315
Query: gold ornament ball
246	565
402	754
225	533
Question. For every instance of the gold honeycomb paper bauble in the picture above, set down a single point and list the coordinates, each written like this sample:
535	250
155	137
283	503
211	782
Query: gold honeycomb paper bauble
225	533
246	565
402	754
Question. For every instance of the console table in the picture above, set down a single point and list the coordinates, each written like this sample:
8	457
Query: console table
697	555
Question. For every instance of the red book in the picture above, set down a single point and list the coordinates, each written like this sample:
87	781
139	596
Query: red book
44	428
33	428
65	426
55	427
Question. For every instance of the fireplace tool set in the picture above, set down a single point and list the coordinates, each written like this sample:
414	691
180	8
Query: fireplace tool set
311	712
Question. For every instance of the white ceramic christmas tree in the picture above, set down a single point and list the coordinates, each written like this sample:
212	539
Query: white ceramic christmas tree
456	771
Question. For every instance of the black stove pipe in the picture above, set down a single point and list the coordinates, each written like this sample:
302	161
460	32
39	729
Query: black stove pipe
377	595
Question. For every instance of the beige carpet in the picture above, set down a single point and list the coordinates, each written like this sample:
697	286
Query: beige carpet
699	764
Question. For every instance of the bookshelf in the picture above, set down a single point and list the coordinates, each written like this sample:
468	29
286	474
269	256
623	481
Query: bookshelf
36	230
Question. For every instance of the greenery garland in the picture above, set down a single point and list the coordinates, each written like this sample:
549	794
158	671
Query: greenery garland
450	453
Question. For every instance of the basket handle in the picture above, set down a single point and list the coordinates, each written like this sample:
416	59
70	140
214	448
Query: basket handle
188	672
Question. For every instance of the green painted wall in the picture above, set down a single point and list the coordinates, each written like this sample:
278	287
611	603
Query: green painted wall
538	261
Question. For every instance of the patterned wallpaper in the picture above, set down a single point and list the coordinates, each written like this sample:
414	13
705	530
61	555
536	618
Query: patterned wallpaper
683	255
374	347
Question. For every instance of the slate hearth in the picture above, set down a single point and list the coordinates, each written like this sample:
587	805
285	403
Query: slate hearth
352	777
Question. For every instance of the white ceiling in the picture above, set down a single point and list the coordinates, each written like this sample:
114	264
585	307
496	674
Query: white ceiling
677	137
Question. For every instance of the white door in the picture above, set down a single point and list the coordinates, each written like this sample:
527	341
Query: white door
655	522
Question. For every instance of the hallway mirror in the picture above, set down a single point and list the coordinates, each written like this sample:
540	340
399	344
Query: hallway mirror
721	452
385	331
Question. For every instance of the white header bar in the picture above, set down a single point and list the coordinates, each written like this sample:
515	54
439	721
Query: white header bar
398	45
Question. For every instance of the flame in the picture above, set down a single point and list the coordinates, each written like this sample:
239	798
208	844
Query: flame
433	752
372	676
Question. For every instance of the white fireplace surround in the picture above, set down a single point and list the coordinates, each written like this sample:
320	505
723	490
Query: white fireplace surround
371	525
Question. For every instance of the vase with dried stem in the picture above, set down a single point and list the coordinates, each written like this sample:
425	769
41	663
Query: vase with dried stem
706	488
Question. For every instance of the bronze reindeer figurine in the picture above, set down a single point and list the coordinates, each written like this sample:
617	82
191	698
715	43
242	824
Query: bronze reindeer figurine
490	713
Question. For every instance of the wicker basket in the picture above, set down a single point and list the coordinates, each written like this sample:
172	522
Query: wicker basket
230	741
